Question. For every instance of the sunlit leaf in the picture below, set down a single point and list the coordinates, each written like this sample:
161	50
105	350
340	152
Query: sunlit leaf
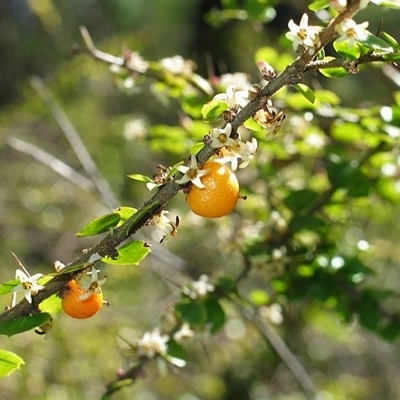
318	5
392	57
335	72
23	324
376	43
307	92
7	287
9	362
213	109
100	225
346	50
390	40
140	178
129	254
387	3
51	305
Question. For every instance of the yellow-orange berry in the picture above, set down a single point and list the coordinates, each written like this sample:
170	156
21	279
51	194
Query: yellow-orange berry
81	303
220	195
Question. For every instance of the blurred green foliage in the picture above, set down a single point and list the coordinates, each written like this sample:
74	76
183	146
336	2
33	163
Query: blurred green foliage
312	249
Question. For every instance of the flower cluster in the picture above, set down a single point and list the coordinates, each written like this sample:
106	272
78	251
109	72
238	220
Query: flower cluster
200	288
304	35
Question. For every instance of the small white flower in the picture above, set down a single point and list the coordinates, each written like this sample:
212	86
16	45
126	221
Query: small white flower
135	62
153	344
199	288
304	35
192	173
246	151
178	65
351	31
220	137
94	286
239	79
184	333
28	285
168	227
234	97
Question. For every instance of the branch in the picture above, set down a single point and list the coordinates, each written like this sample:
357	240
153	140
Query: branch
109	245
76	143
54	163
283	351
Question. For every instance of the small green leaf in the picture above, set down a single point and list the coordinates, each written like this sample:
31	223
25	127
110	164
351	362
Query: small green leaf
213	109
300	199
306	222
215	314
9	362
100	225
129	254
347	50
387	3
191	312
392	57
391	41
318	5
7	287
307	92
23	324
51	305
125	213
375	43
335	73
140	178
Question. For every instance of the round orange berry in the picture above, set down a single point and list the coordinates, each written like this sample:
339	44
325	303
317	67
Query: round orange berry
220	195
78	302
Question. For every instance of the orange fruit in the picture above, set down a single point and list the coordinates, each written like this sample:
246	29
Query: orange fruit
80	303
220	195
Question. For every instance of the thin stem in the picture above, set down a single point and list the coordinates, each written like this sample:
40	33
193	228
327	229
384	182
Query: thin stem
76	143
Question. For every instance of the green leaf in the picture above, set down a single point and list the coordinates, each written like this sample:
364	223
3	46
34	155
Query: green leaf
7	287
300	199
125	213
335	72
9	362
51	305
306	222
213	109
392	56
108	221
191	312
346	50
140	178
387	3
129	254
390	40
23	324
253	125
100	225
375	43
318	5
215	313
307	92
